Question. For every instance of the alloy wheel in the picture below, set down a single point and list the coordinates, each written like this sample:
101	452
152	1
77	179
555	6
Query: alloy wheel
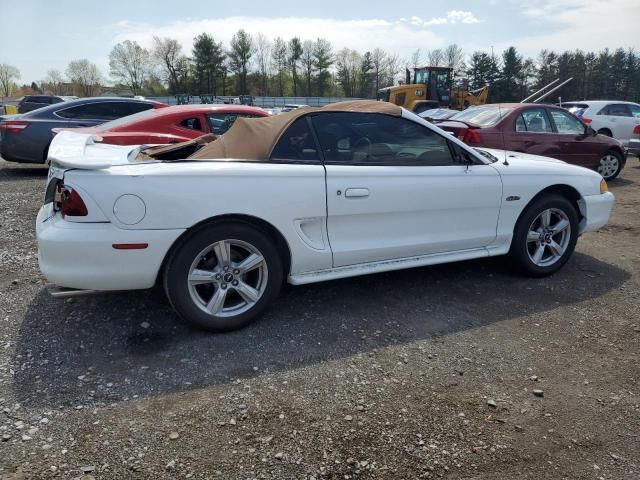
548	237
227	278
608	166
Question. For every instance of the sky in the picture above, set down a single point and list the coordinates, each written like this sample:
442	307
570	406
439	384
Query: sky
38	35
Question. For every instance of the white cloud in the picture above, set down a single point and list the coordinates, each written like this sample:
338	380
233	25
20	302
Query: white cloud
401	36
590	25
453	17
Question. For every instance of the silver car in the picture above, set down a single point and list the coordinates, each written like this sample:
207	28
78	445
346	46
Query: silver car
614	118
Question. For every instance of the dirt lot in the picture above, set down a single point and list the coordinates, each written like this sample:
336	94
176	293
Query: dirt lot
427	373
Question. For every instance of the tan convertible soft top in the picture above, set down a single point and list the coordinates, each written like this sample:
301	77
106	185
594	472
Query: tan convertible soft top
255	138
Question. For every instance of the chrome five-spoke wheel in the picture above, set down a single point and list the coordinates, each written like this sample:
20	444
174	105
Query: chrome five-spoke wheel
548	237
228	278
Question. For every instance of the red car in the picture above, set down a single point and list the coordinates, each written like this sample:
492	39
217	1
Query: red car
171	124
539	130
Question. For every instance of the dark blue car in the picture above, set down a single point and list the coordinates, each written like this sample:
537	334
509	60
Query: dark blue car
26	138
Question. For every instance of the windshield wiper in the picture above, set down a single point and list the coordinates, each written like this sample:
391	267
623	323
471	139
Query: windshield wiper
487	155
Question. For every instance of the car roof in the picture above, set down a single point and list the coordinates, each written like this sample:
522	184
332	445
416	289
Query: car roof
174	109
85	101
596	103
265	131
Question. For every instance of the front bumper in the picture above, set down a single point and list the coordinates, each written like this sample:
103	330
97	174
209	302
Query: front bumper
634	147
81	255
596	210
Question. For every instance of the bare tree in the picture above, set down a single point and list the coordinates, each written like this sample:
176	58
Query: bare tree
416	58
453	56
307	63
263	56
436	57
53	82
8	75
168	53
393	68
379	61
131	64
85	76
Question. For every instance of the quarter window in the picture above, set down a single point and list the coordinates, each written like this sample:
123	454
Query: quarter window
536	121
566	124
635	110
191	123
296	143
375	139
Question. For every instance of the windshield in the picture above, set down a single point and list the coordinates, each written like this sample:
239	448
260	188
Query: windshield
484	116
125	120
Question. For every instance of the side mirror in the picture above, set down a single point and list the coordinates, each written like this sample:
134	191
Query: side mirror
591	131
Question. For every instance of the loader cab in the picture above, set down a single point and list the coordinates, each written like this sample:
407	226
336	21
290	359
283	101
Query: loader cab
438	81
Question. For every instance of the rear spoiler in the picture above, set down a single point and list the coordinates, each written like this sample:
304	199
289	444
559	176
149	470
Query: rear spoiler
83	151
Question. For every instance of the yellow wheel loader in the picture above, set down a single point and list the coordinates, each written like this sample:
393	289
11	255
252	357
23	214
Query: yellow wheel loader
432	87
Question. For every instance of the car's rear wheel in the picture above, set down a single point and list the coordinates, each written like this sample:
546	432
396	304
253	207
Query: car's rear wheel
545	236
610	165
223	277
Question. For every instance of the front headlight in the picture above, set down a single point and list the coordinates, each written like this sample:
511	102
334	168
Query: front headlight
603	186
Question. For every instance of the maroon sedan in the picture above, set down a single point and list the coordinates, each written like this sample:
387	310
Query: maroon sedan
539	130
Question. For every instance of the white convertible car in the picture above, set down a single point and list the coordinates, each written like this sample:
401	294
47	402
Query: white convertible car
311	195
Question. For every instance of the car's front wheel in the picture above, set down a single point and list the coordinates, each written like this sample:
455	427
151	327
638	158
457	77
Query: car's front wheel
223	277
545	236
610	165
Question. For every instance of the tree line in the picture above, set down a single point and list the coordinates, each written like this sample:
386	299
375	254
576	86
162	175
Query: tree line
256	65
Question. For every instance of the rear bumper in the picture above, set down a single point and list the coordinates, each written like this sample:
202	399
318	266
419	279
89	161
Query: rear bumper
81	255
597	210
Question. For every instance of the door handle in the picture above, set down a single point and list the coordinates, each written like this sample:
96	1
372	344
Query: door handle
356	192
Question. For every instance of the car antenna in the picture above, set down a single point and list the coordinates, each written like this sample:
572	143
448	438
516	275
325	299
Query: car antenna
504	143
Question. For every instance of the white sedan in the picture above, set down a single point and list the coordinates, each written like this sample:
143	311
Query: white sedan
311	195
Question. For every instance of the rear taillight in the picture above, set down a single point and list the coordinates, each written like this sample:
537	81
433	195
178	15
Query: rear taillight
71	203
14	126
636	130
468	135
586	120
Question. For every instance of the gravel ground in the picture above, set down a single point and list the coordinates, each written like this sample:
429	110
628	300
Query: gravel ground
461	371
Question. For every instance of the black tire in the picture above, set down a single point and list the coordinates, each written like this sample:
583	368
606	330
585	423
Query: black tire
606	132
607	173
188	300
520	247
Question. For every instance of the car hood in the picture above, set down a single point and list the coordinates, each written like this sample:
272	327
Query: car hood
519	156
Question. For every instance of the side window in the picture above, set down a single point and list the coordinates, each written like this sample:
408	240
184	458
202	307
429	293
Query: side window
566	123
369	138
520	125
96	111
635	110
296	143
55	100
191	123
400	98
219	123
536	121
616	110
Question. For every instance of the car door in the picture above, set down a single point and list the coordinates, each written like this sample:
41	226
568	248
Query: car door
575	145
619	120
532	133
396	189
